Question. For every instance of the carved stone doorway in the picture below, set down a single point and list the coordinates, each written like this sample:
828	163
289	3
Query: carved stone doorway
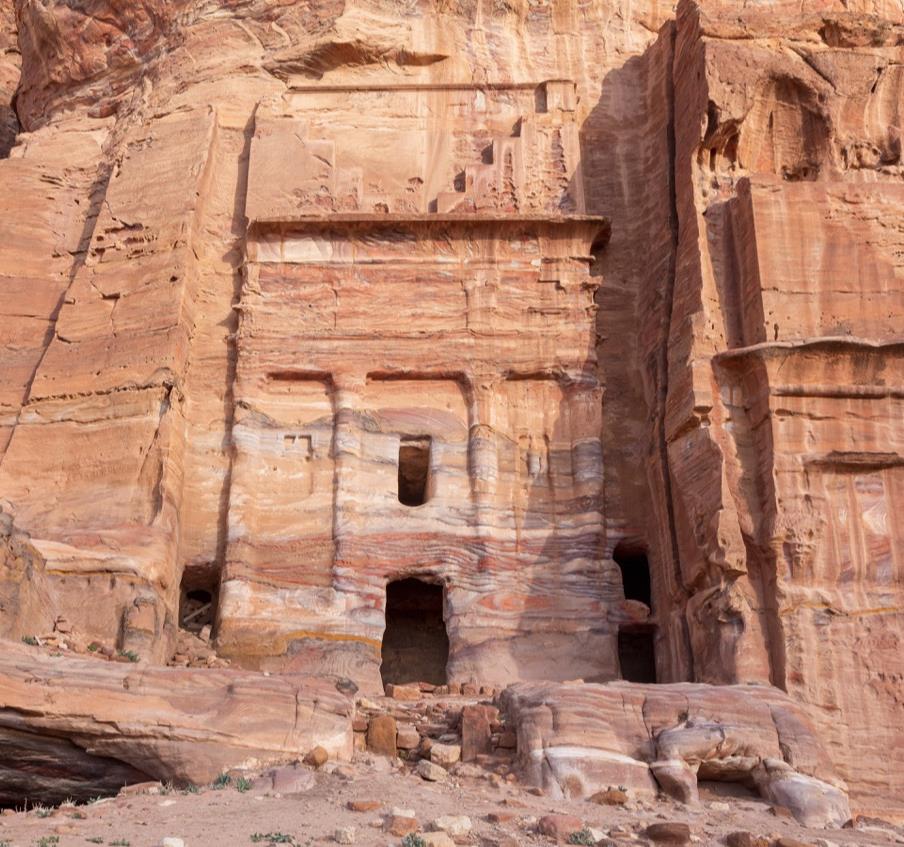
415	643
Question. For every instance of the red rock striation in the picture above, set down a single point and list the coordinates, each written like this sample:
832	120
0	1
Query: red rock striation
587	314
70	727
782	416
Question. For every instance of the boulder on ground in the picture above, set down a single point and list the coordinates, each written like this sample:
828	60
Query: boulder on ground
445	754
669	833
559	826
431	772
286	780
61	723
729	732
381	735
458	826
317	757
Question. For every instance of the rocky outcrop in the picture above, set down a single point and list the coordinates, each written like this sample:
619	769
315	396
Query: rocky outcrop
584	316
780	420
576	739
491	375
79	728
9	79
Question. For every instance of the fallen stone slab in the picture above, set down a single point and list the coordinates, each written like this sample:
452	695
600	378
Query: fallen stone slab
286	780
73	727
400	825
364	805
458	826
445	754
407	737
669	833
559	827
381	735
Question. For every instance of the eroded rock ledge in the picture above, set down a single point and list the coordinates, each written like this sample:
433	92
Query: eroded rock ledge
70	728
577	739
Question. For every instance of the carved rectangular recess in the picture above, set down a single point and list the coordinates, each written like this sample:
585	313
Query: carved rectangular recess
282	482
416	443
377	149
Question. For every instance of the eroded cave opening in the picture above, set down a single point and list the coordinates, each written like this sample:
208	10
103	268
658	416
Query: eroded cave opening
414	470
786	132
636	642
43	770
197	599
415	643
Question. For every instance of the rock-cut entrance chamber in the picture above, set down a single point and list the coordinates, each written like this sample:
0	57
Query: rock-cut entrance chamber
415	643
416	387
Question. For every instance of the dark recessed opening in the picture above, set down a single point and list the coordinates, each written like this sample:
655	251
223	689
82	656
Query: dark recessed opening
45	770
197	600
415	643
636	654
414	470
715	787
635	572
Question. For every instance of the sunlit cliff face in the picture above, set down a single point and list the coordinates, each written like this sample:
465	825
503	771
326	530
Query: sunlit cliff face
629	277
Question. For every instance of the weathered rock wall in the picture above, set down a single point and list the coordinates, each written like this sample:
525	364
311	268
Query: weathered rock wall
576	740
784	383
10	67
73	726
252	246
151	355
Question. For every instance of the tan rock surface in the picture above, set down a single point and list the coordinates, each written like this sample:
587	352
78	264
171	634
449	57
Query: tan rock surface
577	740
70	725
298	300
781	420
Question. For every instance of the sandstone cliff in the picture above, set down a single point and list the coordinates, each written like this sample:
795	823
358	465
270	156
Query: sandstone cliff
588	313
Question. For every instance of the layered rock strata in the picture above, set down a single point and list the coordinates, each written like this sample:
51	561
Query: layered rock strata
73	728
782	418
300	299
457	323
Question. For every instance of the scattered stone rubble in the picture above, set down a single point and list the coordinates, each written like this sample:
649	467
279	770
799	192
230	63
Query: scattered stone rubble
449	726
509	817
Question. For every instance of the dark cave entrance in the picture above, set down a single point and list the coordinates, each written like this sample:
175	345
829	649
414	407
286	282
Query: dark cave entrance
635	572
414	470
198	599
415	643
636	642
43	770
637	653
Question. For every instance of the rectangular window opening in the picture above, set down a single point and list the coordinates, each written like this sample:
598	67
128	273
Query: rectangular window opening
414	470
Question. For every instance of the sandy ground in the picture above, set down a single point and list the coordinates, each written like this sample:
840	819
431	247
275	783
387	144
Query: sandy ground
230	818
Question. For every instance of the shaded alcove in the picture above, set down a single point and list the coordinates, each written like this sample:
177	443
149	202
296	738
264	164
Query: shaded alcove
637	653
46	770
414	470
786	131
197	600
635	572
636	642
415	643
